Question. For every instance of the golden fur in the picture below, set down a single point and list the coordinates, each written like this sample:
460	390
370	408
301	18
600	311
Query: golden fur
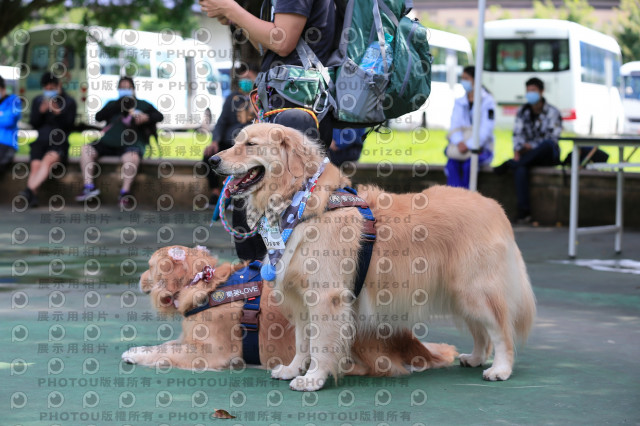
212	338
442	251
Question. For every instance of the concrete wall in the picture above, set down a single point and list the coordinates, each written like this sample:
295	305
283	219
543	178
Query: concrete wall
163	184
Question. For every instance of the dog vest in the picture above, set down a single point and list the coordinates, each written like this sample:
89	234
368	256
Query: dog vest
244	284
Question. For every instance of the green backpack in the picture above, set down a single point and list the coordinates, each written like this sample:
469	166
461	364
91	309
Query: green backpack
354	96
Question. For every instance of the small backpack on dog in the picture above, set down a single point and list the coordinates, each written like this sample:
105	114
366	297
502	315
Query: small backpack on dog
358	95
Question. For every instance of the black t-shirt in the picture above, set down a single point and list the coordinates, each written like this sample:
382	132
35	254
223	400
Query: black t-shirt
318	32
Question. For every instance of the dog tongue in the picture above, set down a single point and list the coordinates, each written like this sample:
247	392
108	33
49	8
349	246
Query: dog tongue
234	182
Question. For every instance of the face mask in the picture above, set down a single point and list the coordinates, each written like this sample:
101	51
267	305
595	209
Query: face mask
532	97
466	85
50	94
125	92
245	84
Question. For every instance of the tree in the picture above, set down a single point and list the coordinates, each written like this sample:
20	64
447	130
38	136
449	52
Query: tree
579	11
174	14
628	32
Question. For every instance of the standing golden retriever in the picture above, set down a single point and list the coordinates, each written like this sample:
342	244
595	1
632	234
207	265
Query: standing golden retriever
212	339
442	251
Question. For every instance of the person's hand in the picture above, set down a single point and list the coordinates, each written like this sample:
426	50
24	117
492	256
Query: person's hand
333	146
140	118
44	105
55	109
223	20
526	147
462	147
516	155
215	8
212	149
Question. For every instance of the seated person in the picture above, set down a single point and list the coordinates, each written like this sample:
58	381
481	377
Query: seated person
130	123
10	111
535	143
237	113
460	136
346	145
52	114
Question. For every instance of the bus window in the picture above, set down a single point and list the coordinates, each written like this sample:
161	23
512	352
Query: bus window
65	55
463	58
137	62
438	66
592	62
166	67
40	58
109	60
563	55
542	57
632	86
510	56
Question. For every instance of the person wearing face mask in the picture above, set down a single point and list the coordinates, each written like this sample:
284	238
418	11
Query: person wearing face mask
129	124
460	136
53	115
535	143
236	114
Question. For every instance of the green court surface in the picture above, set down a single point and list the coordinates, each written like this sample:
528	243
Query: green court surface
71	306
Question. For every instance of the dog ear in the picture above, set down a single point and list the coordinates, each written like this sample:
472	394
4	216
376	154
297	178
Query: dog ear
292	143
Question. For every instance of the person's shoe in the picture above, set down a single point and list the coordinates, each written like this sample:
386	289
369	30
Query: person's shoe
87	193
126	200
32	200
523	220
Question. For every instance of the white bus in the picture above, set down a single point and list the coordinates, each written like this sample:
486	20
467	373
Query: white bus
580	69
178	76
631	97
10	76
451	53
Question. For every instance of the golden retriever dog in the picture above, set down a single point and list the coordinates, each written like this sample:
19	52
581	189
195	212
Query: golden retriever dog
212	339
442	251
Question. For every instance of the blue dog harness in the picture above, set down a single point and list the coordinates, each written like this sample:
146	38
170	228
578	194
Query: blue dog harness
244	284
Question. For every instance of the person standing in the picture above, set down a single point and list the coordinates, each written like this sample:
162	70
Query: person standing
460	135
130	124
53	115
237	113
276	34
10	112
535	143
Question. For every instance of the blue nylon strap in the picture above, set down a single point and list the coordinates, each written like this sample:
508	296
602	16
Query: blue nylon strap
248	274
366	250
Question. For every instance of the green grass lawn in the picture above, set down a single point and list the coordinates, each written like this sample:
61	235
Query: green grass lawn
395	147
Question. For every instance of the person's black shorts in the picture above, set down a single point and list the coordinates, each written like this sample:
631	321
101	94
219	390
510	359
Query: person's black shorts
116	151
37	151
6	156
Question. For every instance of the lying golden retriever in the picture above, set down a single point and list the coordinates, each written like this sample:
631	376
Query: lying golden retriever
212	339
442	251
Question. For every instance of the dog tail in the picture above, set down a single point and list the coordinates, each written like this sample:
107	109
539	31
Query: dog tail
526	310
442	354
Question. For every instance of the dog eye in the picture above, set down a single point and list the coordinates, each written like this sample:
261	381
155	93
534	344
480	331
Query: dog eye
251	144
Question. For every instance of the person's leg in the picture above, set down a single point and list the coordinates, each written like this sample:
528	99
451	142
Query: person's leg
88	158
41	171
521	173
252	248
130	163
6	157
454	172
465	172
545	154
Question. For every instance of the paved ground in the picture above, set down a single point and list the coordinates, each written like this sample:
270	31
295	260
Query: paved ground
62	339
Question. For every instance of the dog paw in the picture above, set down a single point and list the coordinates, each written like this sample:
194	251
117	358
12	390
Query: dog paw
284	372
307	383
468	360
133	355
496	373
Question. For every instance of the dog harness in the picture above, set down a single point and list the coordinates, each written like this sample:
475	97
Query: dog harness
244	284
348	197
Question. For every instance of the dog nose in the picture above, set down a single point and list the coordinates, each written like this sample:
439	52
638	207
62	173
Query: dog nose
215	161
